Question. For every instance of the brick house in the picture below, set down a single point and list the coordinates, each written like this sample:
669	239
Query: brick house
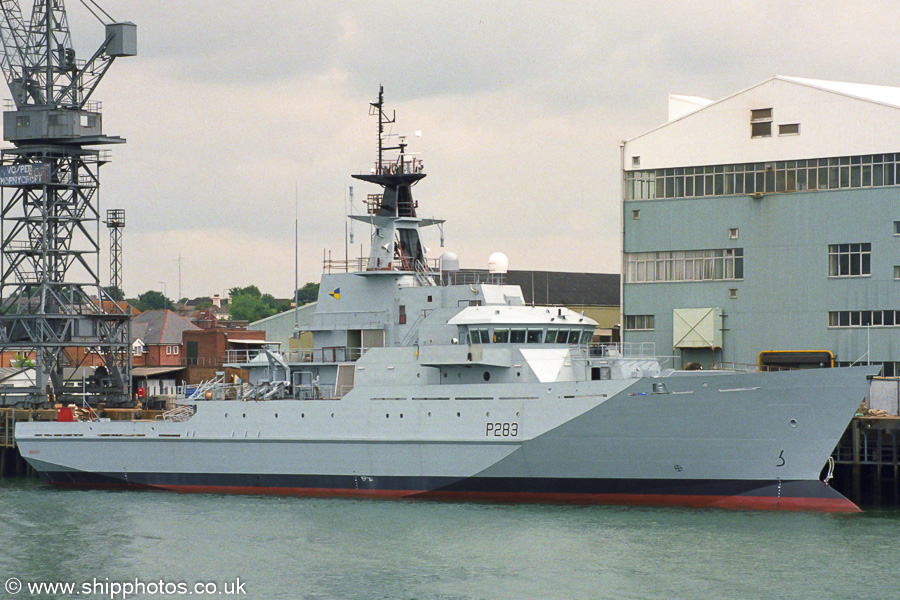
207	350
158	364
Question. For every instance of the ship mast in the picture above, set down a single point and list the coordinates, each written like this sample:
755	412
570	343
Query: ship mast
396	176
396	244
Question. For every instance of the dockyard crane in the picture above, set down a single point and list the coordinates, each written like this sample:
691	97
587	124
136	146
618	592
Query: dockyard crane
51	301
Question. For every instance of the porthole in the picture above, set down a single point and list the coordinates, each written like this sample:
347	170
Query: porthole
302	416
429	414
457	414
276	415
401	415
332	415
793	422
387	416
244	415
487	376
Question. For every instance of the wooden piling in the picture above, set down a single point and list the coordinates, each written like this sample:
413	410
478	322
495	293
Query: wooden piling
867	461
857	485
895	456
876	483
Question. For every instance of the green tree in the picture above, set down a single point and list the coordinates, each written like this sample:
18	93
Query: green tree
251	290
248	307
22	362
114	293
308	293
152	300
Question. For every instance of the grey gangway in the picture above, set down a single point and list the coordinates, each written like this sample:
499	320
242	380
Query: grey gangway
53	311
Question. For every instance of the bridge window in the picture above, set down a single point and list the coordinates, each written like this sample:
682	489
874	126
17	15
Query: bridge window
535	336
501	336
517	336
480	335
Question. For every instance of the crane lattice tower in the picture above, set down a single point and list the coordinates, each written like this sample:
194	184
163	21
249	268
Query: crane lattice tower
52	306
115	221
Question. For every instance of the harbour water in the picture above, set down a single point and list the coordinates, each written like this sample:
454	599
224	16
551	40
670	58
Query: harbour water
312	548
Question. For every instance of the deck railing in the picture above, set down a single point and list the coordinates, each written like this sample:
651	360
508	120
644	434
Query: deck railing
331	354
629	349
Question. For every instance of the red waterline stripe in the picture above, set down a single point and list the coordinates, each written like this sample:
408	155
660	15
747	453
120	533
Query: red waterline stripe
686	500
836	505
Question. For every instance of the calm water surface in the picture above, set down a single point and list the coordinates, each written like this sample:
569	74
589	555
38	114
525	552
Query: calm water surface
335	548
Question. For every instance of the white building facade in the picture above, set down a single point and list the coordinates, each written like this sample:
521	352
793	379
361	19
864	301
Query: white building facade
767	222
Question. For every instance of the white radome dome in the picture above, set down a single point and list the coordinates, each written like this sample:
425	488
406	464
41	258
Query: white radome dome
498	263
449	262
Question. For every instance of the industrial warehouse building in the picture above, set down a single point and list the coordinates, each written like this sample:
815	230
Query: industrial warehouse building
767	221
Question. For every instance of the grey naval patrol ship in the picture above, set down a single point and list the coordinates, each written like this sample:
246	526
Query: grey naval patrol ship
421	383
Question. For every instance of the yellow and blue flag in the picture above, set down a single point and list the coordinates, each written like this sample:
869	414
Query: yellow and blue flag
335	293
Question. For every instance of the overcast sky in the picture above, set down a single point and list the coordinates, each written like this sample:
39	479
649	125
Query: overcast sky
232	106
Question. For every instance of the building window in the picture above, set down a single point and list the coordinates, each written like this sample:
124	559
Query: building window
175	350
761	122
732	293
168	349
639	322
684	265
758	130
733	233
847	172
789	129
849	260
864	318
401	319
635	161
635	215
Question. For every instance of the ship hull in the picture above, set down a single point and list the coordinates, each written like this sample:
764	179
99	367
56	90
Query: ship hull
720	493
745	441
